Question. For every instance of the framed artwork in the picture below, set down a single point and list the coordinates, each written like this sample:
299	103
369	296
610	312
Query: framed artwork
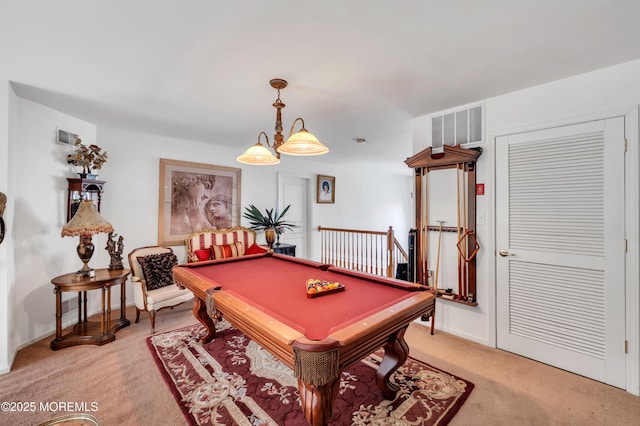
195	196
326	189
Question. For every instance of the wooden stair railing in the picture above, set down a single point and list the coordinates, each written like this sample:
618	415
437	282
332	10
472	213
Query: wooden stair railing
375	252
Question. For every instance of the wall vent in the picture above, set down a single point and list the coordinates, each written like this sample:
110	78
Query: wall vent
66	138
464	127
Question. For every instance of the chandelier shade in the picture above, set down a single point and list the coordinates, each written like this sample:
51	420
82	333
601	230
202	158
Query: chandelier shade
258	154
302	143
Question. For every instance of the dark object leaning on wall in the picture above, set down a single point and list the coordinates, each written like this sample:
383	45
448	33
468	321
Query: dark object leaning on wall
3	204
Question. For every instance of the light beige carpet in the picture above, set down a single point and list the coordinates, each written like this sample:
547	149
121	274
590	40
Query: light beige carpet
122	378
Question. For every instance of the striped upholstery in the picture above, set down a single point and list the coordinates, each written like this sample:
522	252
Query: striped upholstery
227	250
204	239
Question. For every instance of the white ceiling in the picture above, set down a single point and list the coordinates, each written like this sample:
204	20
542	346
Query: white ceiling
200	69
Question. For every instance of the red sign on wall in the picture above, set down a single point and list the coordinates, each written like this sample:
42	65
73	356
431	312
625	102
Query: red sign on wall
479	188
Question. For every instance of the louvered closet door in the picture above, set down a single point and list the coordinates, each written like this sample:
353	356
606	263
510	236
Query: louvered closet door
560	227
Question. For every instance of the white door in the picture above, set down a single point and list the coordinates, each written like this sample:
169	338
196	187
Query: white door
294	191
560	282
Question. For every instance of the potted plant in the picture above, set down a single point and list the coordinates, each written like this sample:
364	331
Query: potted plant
271	222
88	157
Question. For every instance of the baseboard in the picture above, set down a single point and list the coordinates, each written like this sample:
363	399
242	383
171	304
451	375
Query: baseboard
454	332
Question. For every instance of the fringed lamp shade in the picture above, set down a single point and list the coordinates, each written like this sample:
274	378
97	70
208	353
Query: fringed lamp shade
86	222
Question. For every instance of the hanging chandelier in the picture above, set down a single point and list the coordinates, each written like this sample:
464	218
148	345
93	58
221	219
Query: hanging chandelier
301	143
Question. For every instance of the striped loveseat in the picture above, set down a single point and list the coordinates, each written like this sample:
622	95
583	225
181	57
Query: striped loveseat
210	244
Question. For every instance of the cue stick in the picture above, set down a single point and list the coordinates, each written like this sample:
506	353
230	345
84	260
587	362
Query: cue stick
466	238
435	283
462	241
424	248
458	228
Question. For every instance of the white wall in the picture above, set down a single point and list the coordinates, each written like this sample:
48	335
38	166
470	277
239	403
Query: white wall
7	347
606	89
366	199
37	174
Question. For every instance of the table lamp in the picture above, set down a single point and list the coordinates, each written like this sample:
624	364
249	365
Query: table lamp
86	222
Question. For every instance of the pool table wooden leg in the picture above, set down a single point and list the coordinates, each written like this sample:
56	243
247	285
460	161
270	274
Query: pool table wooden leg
396	352
318	401
200	312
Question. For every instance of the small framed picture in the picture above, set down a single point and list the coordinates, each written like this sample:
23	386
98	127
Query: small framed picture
326	189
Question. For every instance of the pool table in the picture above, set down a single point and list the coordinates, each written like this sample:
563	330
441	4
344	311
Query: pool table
265	296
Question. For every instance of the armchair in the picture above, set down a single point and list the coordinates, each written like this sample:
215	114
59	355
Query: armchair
152	279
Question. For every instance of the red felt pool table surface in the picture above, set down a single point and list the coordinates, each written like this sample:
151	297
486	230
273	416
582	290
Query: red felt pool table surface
277	286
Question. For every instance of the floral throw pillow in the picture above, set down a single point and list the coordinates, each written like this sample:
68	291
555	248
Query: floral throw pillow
157	269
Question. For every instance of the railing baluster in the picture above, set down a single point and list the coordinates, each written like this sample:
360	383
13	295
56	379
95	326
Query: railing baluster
342	256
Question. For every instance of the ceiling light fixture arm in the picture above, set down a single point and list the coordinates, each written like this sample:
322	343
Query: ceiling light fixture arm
294	125
266	137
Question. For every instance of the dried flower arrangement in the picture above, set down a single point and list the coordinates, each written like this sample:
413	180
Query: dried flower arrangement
88	157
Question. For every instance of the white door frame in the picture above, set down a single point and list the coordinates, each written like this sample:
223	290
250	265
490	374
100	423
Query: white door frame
632	231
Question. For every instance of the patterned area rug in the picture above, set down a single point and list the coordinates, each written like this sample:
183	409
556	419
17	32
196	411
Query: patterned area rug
233	381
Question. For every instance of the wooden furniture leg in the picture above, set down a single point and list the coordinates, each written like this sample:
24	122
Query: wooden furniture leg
84	306
318	401
103	318
108	325
433	320
200	312
124	322
396	352
57	291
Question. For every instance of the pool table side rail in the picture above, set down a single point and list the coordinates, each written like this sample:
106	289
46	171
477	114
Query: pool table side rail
298	260
194	265
391	282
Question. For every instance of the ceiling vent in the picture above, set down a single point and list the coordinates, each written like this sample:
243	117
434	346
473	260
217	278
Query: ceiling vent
66	138
464	127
